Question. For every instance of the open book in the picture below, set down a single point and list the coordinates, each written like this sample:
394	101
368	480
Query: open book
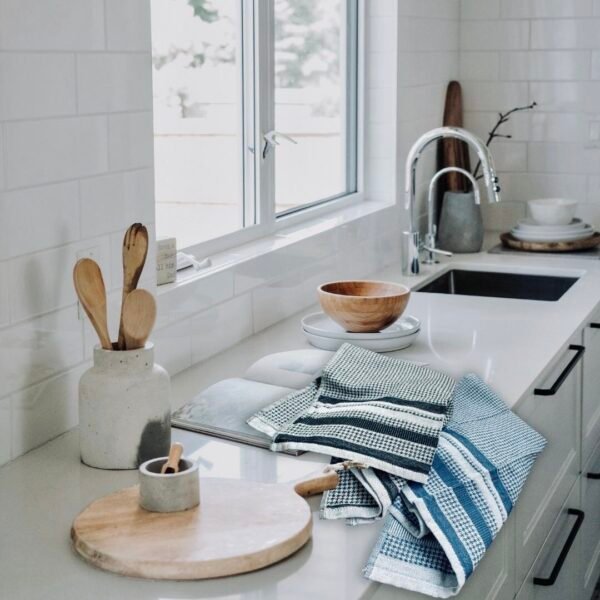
222	409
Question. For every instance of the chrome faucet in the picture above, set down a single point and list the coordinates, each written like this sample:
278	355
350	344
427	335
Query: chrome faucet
413	239
430	237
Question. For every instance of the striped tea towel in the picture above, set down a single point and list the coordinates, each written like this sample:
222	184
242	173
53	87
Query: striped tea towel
436	533
382	412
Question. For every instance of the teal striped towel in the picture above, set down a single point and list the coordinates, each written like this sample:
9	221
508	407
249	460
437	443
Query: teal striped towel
435	534
380	411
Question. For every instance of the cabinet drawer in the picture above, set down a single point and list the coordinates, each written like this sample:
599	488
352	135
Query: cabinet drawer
590	534
590	410
556	572
557	417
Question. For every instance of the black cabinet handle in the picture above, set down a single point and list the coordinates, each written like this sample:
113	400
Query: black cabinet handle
593	475
579	350
565	550
595	325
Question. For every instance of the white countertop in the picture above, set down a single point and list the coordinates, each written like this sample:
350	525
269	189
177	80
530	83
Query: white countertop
509	343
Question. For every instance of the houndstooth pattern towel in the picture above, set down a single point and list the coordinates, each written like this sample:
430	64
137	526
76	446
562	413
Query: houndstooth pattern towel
436	533
383	412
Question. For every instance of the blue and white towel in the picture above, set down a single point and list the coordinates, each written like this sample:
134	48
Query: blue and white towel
383	412
436	533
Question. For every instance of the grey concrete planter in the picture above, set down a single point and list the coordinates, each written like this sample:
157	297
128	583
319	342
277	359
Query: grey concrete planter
461	224
124	409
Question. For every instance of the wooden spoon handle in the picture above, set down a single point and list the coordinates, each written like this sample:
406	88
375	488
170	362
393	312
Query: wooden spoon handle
174	457
317	483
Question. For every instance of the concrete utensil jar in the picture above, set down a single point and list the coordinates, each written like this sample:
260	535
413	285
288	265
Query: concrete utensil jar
169	492
124	409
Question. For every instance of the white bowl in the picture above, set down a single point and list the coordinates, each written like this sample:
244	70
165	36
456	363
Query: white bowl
552	211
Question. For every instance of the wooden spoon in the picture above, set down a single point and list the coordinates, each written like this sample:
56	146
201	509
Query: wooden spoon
135	250
172	464
138	316
89	285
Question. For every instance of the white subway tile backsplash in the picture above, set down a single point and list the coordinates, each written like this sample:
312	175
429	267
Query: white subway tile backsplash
4	295
569	34
563	158
566	96
476	9
589	212
43	281
494	35
421	102
418	35
481	123
102	205
56	25
54	150
509	156
520	187
173	347
502	216
39	348
37	218
130	140
114	82
559	127
550	65
496	96
596	65
5	431
221	326
524	9
432	9
128	25
36	85
422	68
138	191
479	66
44	411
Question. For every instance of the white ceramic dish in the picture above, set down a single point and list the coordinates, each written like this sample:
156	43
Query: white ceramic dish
376	345
527	236
531	225
552	211
320	324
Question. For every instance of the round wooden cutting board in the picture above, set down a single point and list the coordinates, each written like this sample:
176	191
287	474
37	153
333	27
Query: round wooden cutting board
586	244
240	526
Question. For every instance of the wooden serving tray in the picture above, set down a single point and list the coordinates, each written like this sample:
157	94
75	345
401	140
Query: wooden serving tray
509	241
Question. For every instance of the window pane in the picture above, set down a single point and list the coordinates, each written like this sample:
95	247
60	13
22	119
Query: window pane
312	93
198	118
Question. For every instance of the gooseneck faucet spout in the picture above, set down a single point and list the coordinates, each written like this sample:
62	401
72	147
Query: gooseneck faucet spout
411	259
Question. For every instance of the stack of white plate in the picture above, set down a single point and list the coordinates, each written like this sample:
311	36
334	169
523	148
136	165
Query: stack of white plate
527	230
324	333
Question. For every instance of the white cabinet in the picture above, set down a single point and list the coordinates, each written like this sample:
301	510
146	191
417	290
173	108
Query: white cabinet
556	573
590	535
554	411
590	409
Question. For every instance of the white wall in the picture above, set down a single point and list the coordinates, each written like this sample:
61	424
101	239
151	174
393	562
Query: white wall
75	170
517	51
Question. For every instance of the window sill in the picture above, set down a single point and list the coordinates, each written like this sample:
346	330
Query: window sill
231	258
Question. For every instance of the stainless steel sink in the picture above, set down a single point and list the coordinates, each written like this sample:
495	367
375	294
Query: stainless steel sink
494	284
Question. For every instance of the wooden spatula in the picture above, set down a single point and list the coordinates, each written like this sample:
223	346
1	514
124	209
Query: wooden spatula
172	464
137	317
89	285
135	250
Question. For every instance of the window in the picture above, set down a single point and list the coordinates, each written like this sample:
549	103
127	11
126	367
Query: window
255	112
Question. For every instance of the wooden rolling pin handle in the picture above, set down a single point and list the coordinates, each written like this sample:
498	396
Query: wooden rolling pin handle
317	483
172	464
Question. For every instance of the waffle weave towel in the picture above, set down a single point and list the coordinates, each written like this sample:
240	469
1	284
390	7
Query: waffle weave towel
383	412
436	533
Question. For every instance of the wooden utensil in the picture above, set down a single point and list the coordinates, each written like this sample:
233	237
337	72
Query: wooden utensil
172	464
509	241
89	285
135	250
240	526
138	316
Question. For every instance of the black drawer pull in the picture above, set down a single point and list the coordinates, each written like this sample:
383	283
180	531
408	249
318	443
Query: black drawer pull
593	475
561	378
565	550
595	325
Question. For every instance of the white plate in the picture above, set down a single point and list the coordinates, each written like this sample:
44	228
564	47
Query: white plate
533	226
376	345
547	237
320	324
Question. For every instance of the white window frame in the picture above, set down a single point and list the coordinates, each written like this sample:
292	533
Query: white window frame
261	12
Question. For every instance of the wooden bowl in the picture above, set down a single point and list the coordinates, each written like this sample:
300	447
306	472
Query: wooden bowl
363	306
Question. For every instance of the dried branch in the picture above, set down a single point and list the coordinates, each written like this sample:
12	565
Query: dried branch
502	118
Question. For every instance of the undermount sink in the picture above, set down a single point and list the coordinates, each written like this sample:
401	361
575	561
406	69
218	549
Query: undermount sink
549	288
